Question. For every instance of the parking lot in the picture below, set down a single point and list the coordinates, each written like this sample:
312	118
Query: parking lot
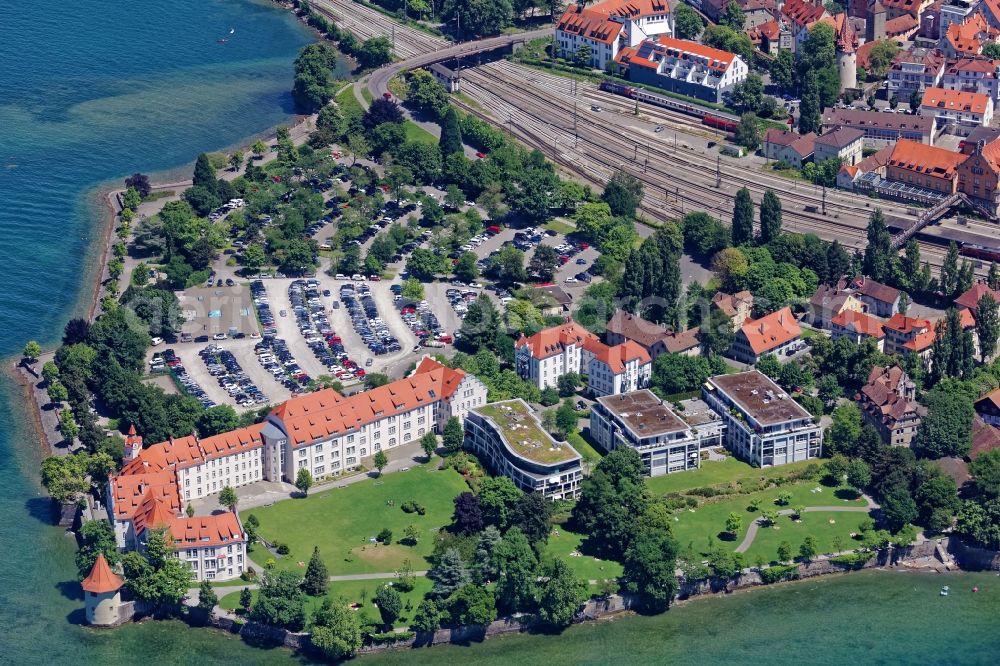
211	311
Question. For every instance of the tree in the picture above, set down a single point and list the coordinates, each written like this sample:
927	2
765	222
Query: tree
987	325
246	600
335	631
96	538
375	52
748	94
808	549
32	350
561	593
516	565
566	421
313	85
898	508
859	474
468	515
472	604
389	604
568	384
879	257
770	217
497	497
649	568
217	420
748	131
236	160
733	16
427	617
412	290
453	435
304	481
481	324
783	70
315	582
380	460
228	498
623	194
734	523
155	577
544	263
937	500
429	444
532	514
743	218
610	499
687	22
784	551
451	134
947	428
204	174
829	390
448	574
139	182
478	17
985	470
57	392
207	598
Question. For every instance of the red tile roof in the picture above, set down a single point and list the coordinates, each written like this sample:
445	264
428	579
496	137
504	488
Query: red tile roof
203	531
802	13
595	21
129	491
859	322
901	25
876	290
551	341
802	144
101	579
618	356
968	37
955	100
907	325
984	438
771	331
970	298
928	160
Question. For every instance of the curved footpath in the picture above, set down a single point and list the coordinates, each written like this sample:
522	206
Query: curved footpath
755	525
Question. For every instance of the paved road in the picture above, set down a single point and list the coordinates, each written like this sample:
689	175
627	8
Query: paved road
754	526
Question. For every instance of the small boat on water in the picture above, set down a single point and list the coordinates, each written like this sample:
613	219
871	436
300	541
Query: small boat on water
945	590
232	30
221	40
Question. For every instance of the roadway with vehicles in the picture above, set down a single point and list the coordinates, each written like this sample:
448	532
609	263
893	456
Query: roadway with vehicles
552	113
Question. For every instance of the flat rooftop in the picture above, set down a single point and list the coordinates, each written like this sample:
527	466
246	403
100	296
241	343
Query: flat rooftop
760	397
697	412
643	413
524	434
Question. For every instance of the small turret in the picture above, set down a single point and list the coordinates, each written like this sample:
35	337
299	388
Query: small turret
133	444
102	589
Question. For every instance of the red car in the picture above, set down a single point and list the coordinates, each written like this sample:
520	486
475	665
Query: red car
480	155
563	259
375	278
359	373
447	339
387	95
584	246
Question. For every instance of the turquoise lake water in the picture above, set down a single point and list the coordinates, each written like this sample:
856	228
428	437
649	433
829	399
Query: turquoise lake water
93	90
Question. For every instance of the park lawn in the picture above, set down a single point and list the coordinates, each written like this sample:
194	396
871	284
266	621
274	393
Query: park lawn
818	525
809	332
354	591
560	226
347	101
341	521
718	472
584	447
418	134
562	542
696	526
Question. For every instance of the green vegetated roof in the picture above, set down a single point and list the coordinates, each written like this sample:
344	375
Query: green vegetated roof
524	433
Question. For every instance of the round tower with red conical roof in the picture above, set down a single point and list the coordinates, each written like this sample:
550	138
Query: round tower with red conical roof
133	444
102	589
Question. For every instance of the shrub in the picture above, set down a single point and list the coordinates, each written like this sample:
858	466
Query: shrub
705	491
392	637
851	559
385	536
282	548
413	507
774	574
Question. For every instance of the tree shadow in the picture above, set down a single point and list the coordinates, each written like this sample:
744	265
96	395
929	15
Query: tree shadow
725	536
847	494
43	509
70	589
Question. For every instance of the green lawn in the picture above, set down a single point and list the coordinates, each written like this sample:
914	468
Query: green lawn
584	447
766	543
346	100
809	333
354	591
560	226
342	520
367	94
584	566
418	134
696	526
713	473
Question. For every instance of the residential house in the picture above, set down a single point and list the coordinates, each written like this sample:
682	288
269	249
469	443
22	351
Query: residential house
771	334
510	440
969	300
640	420
606	27
976	75
985	437
829	301
914	71
848	175
908	335
857	327
800	16
652	337
925	167
979	175
619	369
881	129
683	67
897	8
988	408
888	403
965	39
764	425
766	37
561	302
736	306
843	143
902	27
880	299
553	352
955	11
790	147
957	108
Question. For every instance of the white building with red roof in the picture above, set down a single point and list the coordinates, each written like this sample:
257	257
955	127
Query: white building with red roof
606	27
771	334
683	67
619	369
323	432
957	107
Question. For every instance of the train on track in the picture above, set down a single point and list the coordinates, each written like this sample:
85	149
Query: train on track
979	252
715	119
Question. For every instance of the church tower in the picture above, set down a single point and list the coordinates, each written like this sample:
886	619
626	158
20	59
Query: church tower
133	444
847	54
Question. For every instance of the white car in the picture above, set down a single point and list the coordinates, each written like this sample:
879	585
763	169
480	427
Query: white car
156	341
570	279
340	276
